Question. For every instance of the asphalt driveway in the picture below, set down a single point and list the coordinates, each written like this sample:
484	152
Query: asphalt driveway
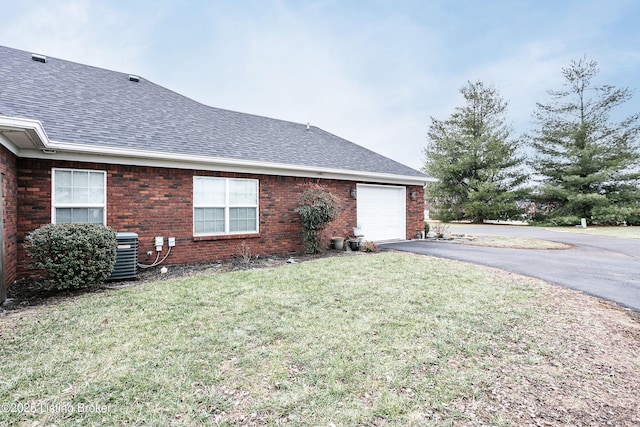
606	267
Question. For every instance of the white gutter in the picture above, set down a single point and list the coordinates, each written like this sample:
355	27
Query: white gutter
32	129
45	148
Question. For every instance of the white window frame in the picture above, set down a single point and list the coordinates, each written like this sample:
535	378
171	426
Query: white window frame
227	205
55	205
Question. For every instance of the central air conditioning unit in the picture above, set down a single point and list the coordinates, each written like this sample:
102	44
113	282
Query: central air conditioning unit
126	266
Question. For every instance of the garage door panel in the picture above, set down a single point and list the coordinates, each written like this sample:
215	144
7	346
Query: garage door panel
381	211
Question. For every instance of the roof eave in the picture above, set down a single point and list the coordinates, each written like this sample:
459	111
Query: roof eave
23	134
27	138
117	155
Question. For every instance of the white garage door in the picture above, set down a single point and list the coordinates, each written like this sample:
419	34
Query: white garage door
382	211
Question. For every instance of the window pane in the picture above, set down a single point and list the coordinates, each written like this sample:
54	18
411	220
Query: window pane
96	187
63	178
209	214
198	189
80	195
69	215
79	188
79	215
209	191
216	225
95	216
63	216
96	196
63	187
243	192
63	194
96	180
80	179
242	219
208	220
211	203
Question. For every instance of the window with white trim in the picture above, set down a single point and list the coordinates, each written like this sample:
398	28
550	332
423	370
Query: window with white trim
224	206
79	196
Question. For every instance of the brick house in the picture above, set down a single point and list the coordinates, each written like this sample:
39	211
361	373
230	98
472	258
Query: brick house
80	143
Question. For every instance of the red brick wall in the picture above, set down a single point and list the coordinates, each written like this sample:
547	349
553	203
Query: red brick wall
415	211
158	202
34	202
154	201
9	203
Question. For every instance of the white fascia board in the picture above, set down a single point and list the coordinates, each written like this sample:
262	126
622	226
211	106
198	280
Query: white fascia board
6	142
113	155
42	147
33	129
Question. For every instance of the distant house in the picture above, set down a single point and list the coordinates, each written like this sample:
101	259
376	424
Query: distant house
80	143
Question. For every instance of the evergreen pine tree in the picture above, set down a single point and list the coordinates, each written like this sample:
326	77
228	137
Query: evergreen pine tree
589	166
475	160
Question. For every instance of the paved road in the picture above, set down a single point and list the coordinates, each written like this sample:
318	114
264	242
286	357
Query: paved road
606	267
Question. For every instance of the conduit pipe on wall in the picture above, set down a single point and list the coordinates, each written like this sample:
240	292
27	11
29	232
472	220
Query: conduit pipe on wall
156	262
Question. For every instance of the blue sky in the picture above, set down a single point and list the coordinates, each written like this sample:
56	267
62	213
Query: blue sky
373	72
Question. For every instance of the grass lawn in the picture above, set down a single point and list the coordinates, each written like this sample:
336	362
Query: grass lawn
514	242
626	232
381	339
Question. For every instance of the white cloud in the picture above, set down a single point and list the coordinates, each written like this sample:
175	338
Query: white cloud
76	30
298	69
372	74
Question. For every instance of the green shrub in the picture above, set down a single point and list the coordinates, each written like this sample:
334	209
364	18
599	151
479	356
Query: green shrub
73	255
564	220
316	208
616	215
426	228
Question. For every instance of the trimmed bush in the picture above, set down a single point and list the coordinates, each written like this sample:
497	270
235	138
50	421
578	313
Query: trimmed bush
73	255
316	208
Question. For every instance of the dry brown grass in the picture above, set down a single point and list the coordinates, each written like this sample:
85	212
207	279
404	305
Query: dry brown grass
381	339
513	242
584	369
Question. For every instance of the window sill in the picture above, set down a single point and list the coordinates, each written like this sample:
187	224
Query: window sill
226	237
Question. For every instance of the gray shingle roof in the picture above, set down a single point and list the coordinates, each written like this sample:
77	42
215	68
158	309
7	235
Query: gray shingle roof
82	104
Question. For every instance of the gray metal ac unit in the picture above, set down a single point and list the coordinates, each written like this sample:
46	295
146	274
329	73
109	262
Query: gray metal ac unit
126	257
